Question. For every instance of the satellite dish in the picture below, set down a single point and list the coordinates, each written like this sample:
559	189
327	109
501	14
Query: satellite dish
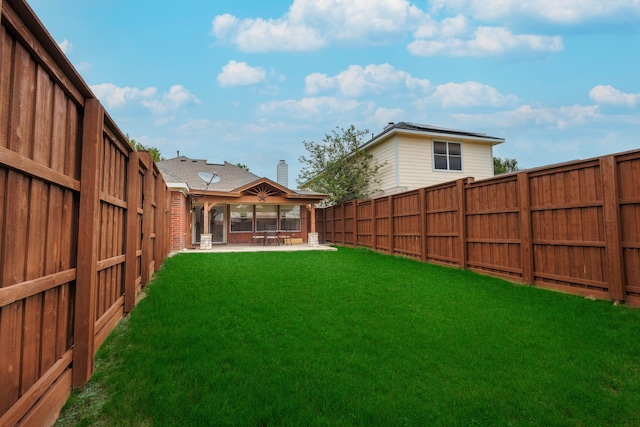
209	178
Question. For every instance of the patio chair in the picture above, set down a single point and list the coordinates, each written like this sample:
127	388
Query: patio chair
258	238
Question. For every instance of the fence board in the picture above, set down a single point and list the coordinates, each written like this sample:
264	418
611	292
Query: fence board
55	257
573	227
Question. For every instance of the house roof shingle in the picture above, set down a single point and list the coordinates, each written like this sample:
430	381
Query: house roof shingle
185	170
430	129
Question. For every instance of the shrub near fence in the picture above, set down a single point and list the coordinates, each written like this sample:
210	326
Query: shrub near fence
83	222
573	227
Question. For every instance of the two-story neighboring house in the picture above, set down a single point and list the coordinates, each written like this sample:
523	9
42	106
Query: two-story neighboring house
417	155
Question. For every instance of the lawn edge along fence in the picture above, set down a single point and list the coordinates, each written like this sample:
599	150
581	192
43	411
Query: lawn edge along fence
83	218
572	227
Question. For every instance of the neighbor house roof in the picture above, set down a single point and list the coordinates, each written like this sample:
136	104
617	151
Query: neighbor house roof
429	130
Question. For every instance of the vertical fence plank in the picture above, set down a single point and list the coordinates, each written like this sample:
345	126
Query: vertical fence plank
613	239
391	242
526	249
462	227
88	225
422	203
131	245
159	222
147	219
355	223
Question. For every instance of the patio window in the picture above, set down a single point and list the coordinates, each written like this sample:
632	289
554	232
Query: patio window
290	217
266	217
447	156
241	217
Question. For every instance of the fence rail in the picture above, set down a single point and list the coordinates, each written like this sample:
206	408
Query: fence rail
83	220
573	227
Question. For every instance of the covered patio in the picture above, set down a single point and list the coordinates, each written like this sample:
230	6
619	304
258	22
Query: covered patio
224	205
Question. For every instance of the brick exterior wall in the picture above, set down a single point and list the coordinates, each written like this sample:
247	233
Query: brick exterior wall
179	221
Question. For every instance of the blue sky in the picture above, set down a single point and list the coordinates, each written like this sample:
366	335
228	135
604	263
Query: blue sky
249	81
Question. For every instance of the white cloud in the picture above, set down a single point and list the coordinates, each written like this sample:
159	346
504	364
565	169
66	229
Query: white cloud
312	24
468	94
312	108
374	79
66	46
195	126
240	74
482	41
526	115
382	116
554	11
113	96
170	101
610	95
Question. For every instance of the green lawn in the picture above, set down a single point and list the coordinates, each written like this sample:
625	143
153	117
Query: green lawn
358	338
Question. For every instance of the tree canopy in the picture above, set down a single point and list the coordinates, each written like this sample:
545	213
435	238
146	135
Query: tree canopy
155	153
504	165
338	167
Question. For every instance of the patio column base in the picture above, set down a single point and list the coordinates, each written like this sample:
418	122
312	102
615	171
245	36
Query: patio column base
313	239
205	241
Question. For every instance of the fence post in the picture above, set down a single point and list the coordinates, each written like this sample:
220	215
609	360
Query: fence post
526	247
88	233
374	226
147	223
159	223
344	228
462	223
133	195
355	223
391	239
423	224
613	240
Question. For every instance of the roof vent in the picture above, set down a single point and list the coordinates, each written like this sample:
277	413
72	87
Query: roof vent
390	124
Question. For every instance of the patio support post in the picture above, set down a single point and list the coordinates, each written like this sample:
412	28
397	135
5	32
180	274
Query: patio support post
312	239
312	209
205	238
206	218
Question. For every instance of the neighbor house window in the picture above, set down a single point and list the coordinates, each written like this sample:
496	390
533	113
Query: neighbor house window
241	217
290	217
266	217
447	156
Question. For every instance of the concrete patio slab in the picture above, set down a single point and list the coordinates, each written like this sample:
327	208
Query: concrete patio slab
259	248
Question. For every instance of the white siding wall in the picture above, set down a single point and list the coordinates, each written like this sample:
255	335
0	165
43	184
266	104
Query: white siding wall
385	153
416	164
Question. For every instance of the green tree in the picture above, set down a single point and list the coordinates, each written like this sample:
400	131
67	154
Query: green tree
242	166
337	166
505	165
155	153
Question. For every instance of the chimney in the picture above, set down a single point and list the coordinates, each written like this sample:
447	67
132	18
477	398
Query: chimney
283	174
178	153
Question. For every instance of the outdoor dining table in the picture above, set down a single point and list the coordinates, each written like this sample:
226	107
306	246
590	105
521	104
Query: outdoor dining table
271	235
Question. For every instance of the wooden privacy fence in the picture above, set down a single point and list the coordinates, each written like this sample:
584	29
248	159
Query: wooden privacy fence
83	222
573	227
